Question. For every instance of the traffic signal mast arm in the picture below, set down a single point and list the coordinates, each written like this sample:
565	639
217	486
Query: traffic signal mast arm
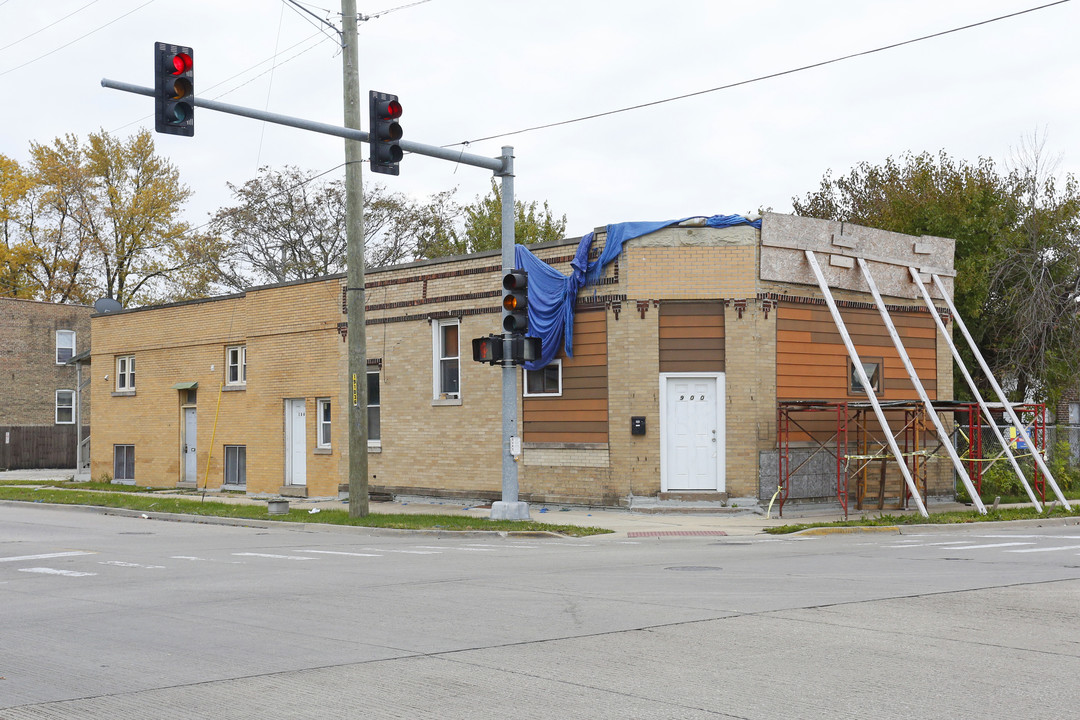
501	166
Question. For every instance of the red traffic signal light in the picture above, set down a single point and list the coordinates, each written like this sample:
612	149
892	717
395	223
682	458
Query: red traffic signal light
174	89
384	110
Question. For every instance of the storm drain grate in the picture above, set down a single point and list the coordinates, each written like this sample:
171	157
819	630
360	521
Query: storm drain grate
668	533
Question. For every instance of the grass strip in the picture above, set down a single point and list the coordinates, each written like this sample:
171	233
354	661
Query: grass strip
944	518
147	502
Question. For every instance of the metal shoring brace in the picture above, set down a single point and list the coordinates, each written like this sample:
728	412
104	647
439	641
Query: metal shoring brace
943	436
971	386
1020	429
878	412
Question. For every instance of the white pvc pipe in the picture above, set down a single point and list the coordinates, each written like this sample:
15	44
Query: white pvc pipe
974	390
917	383
854	355
1001	395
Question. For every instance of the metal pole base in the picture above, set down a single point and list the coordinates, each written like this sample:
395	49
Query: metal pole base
510	510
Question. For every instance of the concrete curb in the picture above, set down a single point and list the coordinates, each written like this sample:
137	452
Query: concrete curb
264	524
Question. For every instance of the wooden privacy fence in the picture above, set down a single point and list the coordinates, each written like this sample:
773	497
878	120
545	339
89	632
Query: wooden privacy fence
38	446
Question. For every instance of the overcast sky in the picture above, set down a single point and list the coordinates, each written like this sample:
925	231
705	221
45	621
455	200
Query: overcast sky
469	69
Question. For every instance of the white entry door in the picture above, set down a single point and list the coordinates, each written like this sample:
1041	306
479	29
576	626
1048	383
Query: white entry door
692	432
296	442
191	469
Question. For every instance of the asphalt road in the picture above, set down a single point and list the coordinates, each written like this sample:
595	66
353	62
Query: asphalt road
113	617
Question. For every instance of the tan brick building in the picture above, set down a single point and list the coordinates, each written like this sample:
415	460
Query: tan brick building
692	336
37	385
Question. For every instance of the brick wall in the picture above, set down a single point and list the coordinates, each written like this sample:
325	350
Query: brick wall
29	375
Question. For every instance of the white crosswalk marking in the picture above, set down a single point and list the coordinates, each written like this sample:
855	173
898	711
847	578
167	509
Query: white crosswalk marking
45	556
1046	549
54	571
989	545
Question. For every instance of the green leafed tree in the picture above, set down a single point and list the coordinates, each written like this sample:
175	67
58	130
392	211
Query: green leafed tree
1018	269
101	217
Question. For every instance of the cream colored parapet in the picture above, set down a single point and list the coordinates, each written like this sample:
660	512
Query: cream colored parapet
786	238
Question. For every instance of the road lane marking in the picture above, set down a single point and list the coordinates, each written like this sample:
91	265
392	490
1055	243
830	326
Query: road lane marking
54	571
1047	549
340	552
988	545
272	556
121	563
45	556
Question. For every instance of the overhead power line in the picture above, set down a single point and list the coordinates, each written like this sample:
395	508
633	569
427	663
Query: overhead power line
760	78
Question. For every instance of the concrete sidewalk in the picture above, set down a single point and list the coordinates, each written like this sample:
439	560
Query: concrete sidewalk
624	523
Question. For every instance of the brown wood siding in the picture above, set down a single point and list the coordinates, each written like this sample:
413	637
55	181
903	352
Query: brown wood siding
580	414
691	337
812	362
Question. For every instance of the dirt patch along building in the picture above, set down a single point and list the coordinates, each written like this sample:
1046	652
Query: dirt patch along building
680	354
38	398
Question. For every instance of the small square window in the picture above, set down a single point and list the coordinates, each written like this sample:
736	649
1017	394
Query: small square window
65	346
236	465
65	407
545	382
873	369
236	365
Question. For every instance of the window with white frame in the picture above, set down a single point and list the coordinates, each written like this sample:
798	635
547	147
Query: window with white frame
125	373
545	382
65	346
447	383
374	414
323	422
65	407
123	462
236	365
236	465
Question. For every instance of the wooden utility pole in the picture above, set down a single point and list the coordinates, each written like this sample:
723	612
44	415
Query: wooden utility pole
354	238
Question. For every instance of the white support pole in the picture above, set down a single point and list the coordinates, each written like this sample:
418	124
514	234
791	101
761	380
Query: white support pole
878	412
917	383
1020	429
974	390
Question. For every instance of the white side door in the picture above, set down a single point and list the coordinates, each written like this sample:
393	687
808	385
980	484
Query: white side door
296	442
692	432
191	468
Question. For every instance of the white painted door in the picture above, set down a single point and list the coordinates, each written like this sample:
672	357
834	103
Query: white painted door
296	442
692	442
191	468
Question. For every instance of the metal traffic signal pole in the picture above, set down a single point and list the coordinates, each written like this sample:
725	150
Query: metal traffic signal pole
510	508
503	167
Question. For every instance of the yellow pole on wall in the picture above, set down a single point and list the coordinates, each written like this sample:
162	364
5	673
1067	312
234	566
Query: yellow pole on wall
213	434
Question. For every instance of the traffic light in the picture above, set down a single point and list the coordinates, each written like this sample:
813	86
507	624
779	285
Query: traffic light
384	111
516	302
174	89
488	349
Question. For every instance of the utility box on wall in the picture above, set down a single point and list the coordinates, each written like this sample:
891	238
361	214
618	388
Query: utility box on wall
637	425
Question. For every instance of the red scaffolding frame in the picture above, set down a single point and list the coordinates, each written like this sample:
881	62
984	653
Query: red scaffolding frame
916	433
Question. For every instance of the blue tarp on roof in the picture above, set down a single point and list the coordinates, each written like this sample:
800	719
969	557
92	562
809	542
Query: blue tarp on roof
552	295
